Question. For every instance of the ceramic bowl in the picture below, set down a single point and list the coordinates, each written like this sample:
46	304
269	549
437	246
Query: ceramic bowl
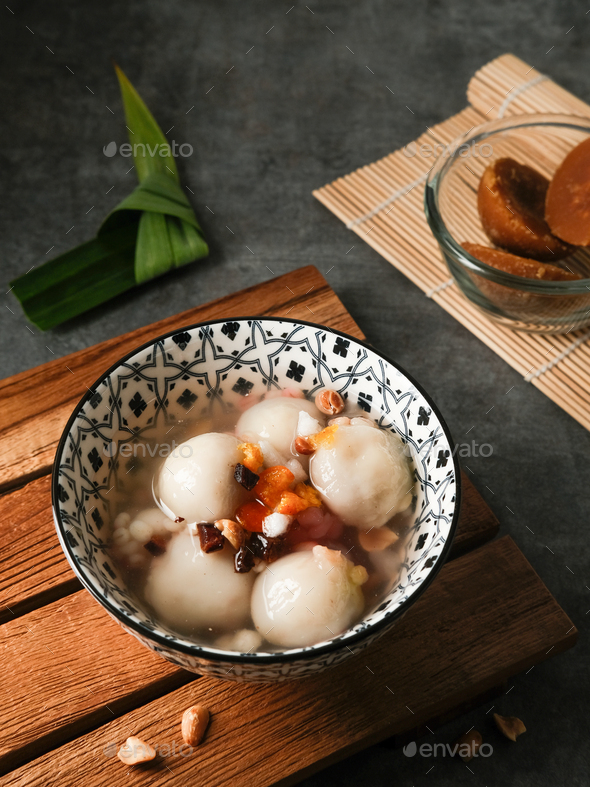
218	364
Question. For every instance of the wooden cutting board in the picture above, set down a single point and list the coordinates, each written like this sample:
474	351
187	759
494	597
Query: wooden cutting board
79	684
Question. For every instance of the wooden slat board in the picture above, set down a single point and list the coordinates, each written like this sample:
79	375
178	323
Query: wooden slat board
383	204
37	403
33	569
450	645
76	668
85	697
76	676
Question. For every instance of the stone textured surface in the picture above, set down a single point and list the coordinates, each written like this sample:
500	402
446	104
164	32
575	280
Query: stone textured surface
298	109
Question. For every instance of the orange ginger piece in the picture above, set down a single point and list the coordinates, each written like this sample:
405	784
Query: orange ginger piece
273	482
252	456
291	504
251	515
309	494
273	489
323	439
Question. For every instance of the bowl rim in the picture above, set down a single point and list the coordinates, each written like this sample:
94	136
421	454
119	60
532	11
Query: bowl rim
218	655
439	229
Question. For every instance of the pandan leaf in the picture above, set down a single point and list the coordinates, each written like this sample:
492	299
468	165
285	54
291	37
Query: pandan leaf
150	232
80	279
143	130
162	203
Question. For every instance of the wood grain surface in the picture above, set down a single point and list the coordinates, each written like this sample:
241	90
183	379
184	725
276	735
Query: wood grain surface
76	668
36	404
486	617
33	569
78	683
59	626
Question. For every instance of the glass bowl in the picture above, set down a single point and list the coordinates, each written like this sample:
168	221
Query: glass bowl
450	203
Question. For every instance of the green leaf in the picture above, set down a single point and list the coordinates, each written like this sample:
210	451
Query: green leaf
151	231
153	254
187	243
80	279
158	194
145	135
169	234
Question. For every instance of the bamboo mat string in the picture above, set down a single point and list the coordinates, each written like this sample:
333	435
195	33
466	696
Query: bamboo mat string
558	358
400	232
515	92
439	288
386	203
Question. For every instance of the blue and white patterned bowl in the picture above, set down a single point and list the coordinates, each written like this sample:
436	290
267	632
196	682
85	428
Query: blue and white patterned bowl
221	362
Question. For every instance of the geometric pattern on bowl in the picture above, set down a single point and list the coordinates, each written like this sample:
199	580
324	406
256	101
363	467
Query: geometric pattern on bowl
188	372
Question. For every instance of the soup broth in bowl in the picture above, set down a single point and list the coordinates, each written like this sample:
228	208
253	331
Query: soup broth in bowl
257	498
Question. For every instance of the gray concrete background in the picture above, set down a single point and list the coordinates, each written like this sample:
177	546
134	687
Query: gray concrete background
296	111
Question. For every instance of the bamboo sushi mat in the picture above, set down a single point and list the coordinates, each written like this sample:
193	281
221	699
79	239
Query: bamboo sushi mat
383	204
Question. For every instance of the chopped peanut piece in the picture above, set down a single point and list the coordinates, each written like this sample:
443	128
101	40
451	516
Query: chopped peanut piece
135	751
359	575
377	538
329	402
303	446
468	745
232	531
195	721
510	726
253	458
342	420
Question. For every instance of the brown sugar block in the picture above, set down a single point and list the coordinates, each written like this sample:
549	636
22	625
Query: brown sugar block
518	266
511	204
567	206
518	303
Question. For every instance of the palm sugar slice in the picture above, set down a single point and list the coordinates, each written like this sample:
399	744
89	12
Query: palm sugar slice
567	206
518	266
511	204
518	303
